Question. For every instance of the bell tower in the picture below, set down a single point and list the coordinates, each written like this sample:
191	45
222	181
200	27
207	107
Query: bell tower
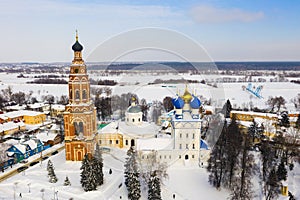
80	115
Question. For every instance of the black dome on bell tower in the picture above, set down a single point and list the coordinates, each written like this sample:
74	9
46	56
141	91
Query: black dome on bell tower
77	46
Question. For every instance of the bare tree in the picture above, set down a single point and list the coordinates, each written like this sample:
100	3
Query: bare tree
296	101
7	93
149	166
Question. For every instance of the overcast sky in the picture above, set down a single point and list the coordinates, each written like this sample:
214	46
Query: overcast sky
229	30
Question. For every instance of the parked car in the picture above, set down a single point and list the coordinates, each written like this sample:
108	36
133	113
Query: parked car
34	163
20	169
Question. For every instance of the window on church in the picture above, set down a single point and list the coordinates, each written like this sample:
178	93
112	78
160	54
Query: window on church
193	146
84	96
126	142
71	94
180	135
76	71
139	119
193	156
117	141
78	126
132	120
186	146
179	156
160	157
110	141
187	135
77	95
100	141
193	135
180	146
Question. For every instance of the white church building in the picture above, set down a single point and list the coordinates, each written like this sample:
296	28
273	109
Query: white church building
183	145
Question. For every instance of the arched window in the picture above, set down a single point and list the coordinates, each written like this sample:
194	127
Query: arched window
71	94
78	126
84	96
132	119
139	119
77	95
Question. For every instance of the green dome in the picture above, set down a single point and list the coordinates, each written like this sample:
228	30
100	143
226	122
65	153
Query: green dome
134	109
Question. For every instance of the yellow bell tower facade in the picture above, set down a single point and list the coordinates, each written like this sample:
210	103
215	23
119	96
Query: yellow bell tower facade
80	115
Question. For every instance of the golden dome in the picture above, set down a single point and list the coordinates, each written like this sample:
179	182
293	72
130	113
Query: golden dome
187	97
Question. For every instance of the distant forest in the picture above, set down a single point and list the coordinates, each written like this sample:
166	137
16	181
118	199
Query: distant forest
184	66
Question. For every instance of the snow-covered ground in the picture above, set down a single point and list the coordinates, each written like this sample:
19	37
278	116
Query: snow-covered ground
185	183
139	84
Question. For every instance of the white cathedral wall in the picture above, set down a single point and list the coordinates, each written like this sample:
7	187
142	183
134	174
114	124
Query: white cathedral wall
134	118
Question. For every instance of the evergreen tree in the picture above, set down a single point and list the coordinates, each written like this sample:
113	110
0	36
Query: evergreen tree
51	173
88	177
49	165
132	175
268	157
154	191
272	185
242	185
281	172
98	165
217	160
233	148
67	181
227	109
284	121
254	131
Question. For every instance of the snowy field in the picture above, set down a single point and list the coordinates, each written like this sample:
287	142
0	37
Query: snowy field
139	84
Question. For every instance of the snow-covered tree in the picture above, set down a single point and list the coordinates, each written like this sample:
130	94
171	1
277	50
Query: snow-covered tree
51	173
242	186
217	160
254	131
272	185
227	109
67	181
132	175
88	177
268	158
154	191
284	121
98	165
281	172
233	148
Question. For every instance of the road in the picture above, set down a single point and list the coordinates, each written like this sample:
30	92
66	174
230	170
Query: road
15	171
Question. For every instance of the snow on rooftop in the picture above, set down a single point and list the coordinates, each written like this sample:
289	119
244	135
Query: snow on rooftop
45	136
21	147
58	107
255	113
37	105
145	129
20	113
154	144
32	144
10	125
